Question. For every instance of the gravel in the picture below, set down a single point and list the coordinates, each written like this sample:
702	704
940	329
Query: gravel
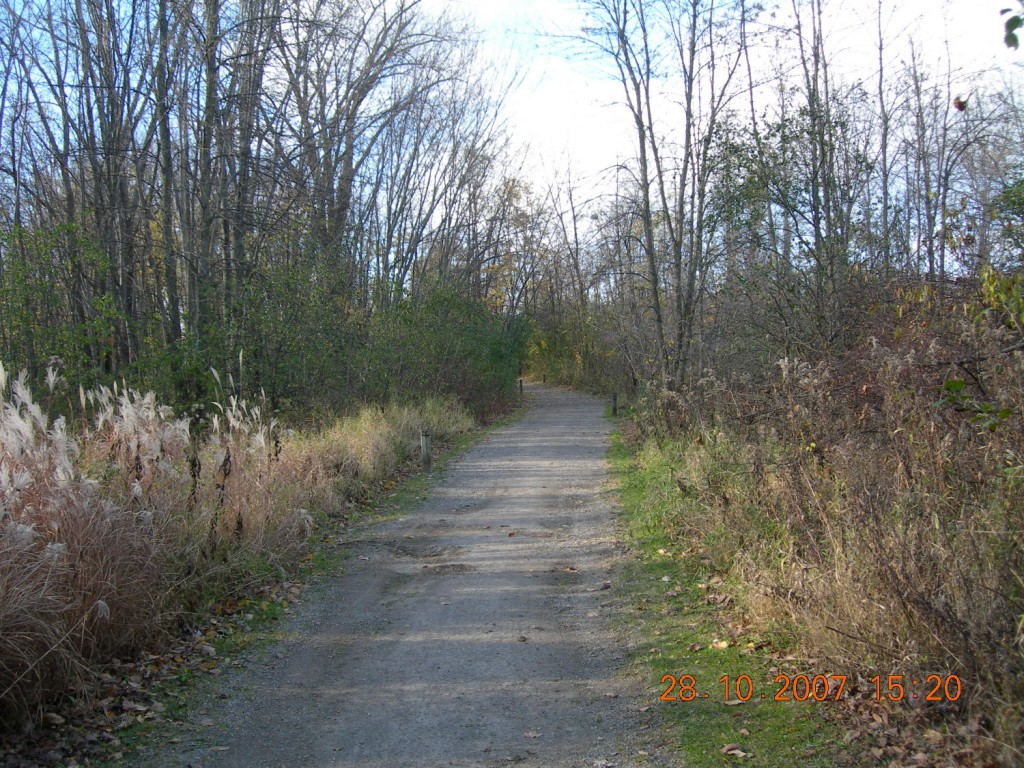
474	631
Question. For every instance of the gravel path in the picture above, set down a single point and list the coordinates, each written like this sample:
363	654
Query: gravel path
472	632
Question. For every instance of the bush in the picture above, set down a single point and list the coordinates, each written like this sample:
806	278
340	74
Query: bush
111	539
442	344
869	506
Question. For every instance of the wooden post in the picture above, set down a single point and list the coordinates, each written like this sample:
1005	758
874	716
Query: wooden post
615	404
520	387
425	449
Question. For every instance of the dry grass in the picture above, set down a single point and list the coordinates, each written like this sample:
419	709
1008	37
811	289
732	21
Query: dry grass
110	538
871	513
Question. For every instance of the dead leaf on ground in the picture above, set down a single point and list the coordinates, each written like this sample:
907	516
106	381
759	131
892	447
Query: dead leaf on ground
933	737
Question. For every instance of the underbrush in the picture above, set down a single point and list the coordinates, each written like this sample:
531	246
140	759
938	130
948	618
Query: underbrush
115	531
711	673
869	508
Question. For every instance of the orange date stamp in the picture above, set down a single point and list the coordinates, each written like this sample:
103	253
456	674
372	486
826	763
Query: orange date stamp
786	688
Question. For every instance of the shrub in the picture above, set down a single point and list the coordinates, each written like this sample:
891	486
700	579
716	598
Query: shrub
442	344
112	538
868	506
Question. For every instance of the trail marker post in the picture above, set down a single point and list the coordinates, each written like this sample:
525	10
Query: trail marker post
615	404
425	449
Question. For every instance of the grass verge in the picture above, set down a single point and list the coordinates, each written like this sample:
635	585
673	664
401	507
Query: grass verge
693	646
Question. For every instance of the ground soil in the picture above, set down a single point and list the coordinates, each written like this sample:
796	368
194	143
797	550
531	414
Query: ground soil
478	630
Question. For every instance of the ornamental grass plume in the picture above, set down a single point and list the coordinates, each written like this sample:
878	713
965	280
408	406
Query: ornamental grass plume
113	537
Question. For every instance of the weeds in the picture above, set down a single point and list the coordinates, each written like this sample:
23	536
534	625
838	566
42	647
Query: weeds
870	508
112	537
674	608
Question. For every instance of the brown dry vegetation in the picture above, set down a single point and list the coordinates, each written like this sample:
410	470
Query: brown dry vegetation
113	536
870	507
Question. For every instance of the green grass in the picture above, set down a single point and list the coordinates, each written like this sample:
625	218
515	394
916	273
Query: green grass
673	609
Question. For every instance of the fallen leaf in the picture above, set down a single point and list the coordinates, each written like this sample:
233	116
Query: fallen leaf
734	702
720	645
933	737
695	647
533	734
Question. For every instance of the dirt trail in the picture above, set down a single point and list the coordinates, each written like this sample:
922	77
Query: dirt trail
472	632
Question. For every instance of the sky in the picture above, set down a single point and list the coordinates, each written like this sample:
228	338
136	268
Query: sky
569	116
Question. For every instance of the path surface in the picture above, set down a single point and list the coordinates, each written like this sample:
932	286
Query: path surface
472	632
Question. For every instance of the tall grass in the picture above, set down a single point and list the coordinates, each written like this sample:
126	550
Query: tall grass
111	537
868	508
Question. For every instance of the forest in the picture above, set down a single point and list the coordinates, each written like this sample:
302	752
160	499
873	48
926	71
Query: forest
252	239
